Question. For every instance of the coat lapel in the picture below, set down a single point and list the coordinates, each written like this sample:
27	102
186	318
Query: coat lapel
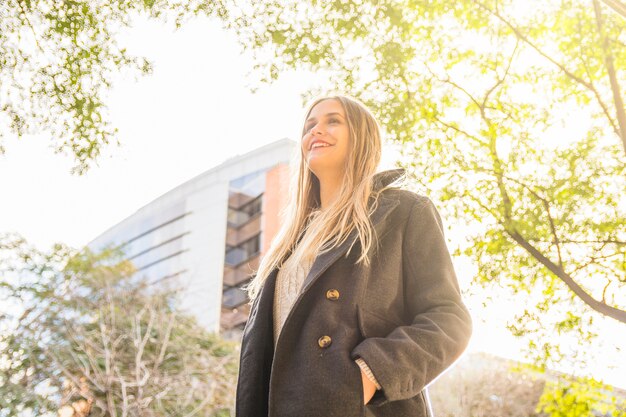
322	262
385	206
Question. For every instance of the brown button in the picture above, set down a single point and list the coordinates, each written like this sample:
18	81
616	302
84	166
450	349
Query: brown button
324	341
332	294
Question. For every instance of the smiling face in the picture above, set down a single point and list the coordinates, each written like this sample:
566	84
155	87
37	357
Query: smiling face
325	143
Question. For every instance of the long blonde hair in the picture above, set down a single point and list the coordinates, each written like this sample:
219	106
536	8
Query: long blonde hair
349	210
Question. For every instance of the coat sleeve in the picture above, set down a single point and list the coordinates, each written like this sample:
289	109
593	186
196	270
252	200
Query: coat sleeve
412	356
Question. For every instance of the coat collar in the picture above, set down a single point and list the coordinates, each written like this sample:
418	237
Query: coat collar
322	262
384	208
384	178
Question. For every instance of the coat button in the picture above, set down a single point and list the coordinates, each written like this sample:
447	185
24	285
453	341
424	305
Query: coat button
332	294
324	341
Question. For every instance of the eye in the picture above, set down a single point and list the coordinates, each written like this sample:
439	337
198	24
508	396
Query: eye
309	127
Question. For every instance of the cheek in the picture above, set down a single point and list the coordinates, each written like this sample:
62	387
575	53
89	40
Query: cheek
345	140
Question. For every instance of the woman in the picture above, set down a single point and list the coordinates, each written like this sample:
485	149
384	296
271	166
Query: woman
356	307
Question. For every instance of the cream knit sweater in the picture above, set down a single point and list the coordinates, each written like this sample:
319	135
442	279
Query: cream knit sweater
288	284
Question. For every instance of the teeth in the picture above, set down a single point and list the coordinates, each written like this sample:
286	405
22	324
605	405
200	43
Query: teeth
319	144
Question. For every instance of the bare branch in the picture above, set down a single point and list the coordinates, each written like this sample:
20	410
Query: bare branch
596	93
616	5
599	306
461	131
610	68
562	67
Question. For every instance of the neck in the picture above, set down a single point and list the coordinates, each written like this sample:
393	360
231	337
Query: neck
329	189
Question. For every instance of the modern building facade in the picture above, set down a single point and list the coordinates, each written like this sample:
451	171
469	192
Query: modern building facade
210	233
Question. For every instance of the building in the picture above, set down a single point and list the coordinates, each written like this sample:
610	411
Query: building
209	233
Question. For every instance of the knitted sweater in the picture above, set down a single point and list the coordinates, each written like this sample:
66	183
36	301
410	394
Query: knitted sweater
288	284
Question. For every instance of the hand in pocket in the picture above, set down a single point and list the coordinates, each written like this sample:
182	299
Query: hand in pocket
369	388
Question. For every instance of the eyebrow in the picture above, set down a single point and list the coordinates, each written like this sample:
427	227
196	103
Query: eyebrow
327	114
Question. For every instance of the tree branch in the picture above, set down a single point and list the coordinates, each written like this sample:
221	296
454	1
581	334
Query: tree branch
610	68
616	5
599	306
570	74
605	109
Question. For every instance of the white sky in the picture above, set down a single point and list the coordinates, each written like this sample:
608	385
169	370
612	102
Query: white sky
190	115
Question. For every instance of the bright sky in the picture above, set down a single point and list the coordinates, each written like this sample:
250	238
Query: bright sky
190	115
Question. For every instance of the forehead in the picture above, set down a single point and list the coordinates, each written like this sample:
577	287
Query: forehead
326	106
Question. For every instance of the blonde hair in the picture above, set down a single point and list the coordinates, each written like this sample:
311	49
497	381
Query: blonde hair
351	209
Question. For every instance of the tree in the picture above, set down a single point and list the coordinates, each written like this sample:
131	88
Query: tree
83	334
482	385
510	112
57	59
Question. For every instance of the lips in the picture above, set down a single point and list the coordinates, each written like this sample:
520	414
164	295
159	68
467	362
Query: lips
319	141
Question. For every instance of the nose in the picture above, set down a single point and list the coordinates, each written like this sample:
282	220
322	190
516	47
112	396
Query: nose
315	130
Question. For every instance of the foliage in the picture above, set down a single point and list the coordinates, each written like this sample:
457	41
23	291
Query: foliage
482	385
78	328
580	397
507	115
58	59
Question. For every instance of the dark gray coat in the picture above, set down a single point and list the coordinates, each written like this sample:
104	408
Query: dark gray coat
403	315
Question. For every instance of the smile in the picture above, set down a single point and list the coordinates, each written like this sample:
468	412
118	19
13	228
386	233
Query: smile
318	145
315	148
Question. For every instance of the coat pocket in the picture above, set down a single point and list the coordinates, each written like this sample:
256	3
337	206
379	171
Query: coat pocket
374	324
354	372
